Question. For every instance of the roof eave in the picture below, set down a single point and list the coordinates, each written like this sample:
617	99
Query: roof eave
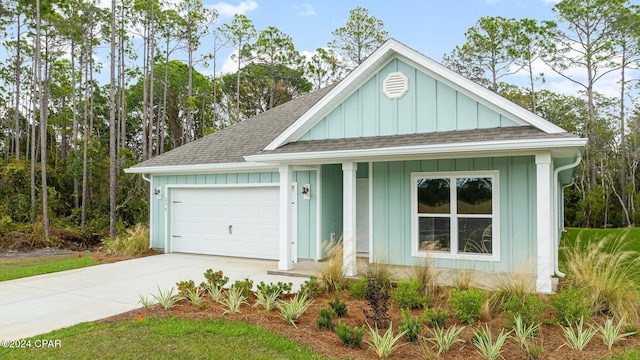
202	168
436	150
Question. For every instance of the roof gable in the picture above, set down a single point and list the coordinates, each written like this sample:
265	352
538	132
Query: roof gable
452	102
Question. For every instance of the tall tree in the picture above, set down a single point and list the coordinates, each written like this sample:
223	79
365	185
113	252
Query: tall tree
361	35
323	69
112	126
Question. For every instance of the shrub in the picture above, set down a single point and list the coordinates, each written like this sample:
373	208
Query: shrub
134	242
233	300
444	339
291	310
184	286
331	272
166	299
529	308
607	273
467	304
266	299
273	288
214	279
422	271
195	295
570	305
244	286
410	326
338	306
507	288
325	318
358	288
311	287
381	272
350	336
378	299
409	293
436	317
383	345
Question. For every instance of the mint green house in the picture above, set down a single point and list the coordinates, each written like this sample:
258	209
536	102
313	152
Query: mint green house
401	160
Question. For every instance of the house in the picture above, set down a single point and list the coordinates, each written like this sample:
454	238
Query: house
401	160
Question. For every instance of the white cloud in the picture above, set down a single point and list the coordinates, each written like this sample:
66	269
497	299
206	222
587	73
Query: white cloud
551	1
230	64
305	10
227	10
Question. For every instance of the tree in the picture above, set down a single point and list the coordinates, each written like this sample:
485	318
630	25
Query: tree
238	33
112	126
361	35
323	69
490	52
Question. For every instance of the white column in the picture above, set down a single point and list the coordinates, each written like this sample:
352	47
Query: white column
544	211
285	262
349	218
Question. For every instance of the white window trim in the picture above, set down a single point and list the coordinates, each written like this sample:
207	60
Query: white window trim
453	254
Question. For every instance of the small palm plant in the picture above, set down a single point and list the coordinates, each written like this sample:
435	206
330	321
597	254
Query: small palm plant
266	299
215	292
145	301
166	299
195	295
291	310
233	301
523	333
484	344
384	344
444	339
611	334
577	338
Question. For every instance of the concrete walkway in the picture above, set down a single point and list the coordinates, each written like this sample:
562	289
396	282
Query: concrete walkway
39	304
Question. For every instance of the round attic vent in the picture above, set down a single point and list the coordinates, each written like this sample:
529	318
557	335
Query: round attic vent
395	85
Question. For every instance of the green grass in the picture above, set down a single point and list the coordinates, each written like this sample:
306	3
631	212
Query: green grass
15	268
165	339
630	236
630	354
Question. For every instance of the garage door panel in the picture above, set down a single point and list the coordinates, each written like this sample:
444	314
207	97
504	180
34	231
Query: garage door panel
201	219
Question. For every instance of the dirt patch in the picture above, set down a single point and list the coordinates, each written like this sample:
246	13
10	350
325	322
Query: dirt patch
328	344
34	253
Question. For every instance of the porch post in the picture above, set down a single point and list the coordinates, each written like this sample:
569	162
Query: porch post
544	169
285	262
349	218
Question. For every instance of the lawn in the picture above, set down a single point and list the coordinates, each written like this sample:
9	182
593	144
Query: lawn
628	238
171	338
15	268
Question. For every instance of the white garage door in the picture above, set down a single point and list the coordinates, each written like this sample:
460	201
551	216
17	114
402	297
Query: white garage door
234	221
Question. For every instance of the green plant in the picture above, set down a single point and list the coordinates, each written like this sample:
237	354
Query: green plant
463	279
274	288
325	318
331	272
145	301
514	285
411	326
166	299
244	286
529	308
184	286
266	299
608	273
215	293
444	339
467	304
291	310
378	299
570	305
484	344
422	271
233	300
577	338
611	334
350	336
384	344
381	272
523	332
631	329
311	287
338	306
134	242
358	288
214	279
195	295
436	317
409	293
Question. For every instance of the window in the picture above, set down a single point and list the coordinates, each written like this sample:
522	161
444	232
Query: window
455	215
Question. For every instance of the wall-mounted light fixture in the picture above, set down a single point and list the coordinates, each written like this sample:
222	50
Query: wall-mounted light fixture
158	192
306	191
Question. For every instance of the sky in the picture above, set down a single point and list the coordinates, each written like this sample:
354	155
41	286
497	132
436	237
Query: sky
432	27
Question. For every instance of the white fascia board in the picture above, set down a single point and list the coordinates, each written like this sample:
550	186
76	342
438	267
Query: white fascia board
203	168
438	149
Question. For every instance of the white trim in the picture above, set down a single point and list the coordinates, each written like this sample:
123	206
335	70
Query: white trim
370	175
294	222
205	186
203	168
374	62
349	223
453	248
319	213
286	176
454	149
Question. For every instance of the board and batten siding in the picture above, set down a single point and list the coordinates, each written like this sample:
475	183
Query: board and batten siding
391	201
307	230
332	204
428	106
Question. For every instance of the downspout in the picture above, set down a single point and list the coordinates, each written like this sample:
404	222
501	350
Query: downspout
556	237
147	179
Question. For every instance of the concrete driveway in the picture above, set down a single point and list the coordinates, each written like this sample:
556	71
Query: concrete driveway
39	304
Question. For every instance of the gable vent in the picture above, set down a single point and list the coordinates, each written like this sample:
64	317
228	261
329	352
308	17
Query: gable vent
395	85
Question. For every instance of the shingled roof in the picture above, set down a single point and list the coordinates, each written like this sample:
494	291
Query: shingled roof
231	144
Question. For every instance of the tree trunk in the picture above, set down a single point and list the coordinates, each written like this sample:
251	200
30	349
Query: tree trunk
16	142
112	127
44	107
